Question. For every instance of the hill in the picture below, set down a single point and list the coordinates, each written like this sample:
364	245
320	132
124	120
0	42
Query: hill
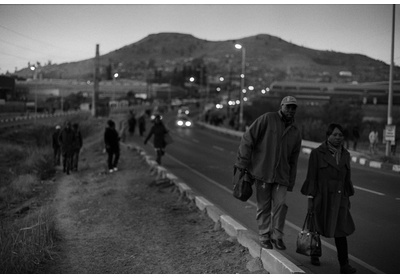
160	57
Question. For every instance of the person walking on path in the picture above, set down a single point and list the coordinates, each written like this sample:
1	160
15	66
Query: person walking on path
77	145
142	124
356	137
158	130
328	186
132	122
56	146
123	127
66	140
111	142
269	150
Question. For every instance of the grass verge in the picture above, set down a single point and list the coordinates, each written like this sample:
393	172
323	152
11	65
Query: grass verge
27	230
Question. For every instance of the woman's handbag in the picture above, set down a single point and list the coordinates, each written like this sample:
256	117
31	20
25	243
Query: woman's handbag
168	139
308	240
242	182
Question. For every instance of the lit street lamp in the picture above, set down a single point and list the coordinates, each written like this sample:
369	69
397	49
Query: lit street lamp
115	77
239	46
33	68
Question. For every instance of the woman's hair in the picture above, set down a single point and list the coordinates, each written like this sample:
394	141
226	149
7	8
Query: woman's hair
332	127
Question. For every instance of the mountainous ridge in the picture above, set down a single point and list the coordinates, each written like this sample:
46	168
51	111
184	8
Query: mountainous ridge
268	58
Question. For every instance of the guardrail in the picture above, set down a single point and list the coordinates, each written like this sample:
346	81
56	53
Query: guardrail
38	116
307	146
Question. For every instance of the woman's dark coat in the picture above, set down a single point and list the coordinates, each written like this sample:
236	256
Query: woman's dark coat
159	131
111	139
331	186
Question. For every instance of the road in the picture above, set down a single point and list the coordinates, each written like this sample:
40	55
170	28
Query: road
204	159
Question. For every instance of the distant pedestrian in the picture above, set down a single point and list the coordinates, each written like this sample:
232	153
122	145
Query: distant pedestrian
77	145
111	142
132	122
328	186
56	146
142	124
123	129
346	135
356	137
269	150
158	130
373	138
66	140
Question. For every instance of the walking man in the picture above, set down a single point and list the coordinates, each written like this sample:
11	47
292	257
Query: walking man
269	150
111	142
77	145
66	140
56	146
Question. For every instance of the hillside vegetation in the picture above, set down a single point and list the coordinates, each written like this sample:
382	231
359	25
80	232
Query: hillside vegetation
268	58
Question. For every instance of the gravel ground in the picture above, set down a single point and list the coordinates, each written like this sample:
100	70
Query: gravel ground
120	223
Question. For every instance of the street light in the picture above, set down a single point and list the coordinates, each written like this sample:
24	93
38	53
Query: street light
33	68
239	46
115	77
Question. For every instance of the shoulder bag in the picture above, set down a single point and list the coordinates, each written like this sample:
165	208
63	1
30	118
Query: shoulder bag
308	240
242	182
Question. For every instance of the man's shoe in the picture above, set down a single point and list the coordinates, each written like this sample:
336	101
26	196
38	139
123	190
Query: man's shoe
315	261
267	244
279	244
347	269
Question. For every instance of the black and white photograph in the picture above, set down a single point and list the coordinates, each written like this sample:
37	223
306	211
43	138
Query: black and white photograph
199	138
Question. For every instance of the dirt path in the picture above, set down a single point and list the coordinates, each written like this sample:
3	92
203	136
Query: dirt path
117	223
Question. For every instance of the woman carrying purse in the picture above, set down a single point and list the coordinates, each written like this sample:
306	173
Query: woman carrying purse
328	187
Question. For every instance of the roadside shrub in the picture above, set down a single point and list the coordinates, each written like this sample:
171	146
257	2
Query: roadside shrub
27	242
10	154
38	161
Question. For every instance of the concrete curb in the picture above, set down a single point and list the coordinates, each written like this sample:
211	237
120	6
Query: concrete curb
309	145
272	260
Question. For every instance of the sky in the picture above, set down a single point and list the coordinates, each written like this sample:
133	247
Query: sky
69	31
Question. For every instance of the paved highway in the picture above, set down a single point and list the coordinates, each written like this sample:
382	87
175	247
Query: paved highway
204	159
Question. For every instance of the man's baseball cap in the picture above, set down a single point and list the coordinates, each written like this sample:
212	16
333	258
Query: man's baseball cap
289	100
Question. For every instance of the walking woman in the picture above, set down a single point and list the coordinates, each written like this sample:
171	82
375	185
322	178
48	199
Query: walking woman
158	130
328	187
111	141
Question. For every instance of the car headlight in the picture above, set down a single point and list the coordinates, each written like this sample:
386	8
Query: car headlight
188	123
180	123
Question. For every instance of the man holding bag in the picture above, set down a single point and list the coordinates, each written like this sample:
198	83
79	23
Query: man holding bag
269	151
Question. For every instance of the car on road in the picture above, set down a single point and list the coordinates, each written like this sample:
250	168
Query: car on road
183	121
184	110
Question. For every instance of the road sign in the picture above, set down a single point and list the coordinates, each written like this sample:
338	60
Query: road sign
390	132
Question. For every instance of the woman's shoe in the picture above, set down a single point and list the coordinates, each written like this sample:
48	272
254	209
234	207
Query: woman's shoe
315	261
347	269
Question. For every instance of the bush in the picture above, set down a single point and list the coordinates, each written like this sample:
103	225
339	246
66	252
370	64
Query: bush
27	242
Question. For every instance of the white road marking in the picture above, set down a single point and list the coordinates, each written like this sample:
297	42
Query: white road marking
218	148
370	191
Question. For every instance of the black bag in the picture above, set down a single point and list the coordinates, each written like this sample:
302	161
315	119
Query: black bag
242	182
308	240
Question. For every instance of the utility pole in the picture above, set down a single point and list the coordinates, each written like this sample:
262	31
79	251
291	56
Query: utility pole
390	95
96	82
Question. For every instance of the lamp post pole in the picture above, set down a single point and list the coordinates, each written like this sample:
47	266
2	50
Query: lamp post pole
239	46
33	68
390	95
115	77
